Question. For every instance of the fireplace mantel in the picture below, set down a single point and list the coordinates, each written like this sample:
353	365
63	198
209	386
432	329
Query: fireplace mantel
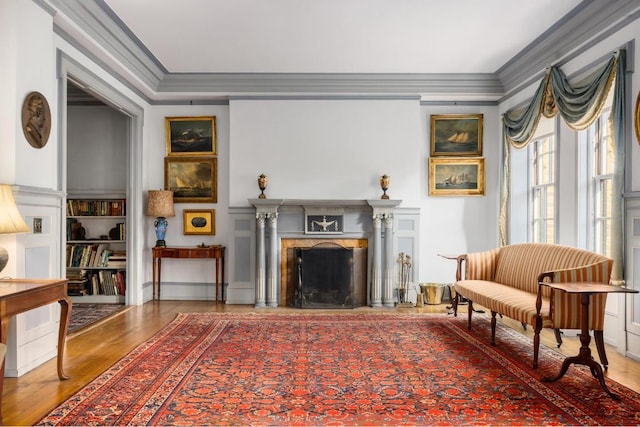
380	212
270	204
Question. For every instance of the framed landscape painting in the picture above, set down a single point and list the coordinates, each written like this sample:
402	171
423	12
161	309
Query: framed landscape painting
192	179
456	135
456	176
190	136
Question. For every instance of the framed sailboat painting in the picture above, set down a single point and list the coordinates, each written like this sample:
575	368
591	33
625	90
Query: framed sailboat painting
456	134
456	176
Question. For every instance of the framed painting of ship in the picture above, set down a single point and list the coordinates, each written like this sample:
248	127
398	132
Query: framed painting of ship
456	135
192	179
190	136
456	176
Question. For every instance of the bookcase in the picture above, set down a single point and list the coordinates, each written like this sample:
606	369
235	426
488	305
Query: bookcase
96	258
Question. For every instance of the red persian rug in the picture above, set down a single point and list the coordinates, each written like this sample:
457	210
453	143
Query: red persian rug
340	369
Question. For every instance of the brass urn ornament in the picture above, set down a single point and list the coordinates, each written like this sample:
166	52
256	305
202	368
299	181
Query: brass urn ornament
384	184
262	185
36	119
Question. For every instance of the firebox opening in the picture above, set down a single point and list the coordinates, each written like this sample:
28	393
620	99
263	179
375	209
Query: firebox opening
324	277
291	251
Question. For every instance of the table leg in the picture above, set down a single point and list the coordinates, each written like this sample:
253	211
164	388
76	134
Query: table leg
217	261
4	329
224	297
584	356
65	316
153	283
159	275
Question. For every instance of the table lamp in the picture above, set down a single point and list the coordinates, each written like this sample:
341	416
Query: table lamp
11	221
160	205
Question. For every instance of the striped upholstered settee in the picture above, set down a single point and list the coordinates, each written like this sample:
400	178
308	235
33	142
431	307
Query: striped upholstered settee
505	281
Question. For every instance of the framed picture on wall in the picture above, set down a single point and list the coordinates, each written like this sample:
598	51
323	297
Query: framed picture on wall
199	221
637	120
191	136
456	135
192	179
456	176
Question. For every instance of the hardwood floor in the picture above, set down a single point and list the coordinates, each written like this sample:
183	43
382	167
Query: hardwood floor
92	351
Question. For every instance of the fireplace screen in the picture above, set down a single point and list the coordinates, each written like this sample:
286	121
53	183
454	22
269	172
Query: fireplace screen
324	277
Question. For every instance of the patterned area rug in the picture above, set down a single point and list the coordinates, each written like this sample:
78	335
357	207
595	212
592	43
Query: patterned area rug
340	369
85	314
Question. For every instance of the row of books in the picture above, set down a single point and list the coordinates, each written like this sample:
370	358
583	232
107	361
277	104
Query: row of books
83	282
96	207
95	255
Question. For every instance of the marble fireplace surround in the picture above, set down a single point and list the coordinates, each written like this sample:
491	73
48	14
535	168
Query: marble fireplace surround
281	223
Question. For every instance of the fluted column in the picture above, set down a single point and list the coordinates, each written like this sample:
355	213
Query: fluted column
261	271
376	268
266	269
272	278
389	259
383	259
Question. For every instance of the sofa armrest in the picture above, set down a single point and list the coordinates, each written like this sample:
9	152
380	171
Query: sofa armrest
478	265
565	308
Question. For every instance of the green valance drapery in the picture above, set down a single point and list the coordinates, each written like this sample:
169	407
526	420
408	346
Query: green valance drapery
578	105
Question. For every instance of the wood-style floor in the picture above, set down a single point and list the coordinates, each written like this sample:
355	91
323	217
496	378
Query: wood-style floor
90	352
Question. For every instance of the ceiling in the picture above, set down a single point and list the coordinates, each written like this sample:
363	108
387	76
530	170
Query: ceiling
336	36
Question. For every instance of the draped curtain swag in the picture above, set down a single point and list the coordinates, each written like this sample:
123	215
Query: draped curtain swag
579	106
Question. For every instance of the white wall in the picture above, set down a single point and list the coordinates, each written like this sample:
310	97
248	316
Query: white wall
333	149
325	149
456	225
154	153
97	149
28	65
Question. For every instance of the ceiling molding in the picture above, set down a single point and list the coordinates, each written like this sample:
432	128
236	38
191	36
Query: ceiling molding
588	20
100	29
110	34
333	83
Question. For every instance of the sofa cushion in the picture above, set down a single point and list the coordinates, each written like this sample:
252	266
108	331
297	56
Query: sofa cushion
506	300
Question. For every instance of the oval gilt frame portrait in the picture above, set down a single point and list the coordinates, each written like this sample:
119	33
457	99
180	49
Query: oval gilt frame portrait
36	119
637	120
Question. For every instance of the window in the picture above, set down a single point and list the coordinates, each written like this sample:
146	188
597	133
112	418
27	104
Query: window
600	181
542	189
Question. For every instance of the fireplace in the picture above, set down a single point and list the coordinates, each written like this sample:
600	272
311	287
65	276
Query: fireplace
324	273
286	225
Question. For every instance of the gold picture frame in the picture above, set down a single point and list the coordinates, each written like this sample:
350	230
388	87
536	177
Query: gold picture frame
637	120
456	134
456	176
191	136
192	179
199	221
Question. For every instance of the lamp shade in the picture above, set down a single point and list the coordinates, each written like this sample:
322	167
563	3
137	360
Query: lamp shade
160	203
11	221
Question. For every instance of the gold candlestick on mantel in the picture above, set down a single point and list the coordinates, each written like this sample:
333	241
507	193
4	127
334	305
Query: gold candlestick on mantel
384	184
262	185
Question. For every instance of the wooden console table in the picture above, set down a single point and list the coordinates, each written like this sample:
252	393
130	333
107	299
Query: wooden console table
584	356
208	252
21	295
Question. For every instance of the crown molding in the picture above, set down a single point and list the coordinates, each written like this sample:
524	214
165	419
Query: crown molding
588	22
332	83
102	29
96	27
